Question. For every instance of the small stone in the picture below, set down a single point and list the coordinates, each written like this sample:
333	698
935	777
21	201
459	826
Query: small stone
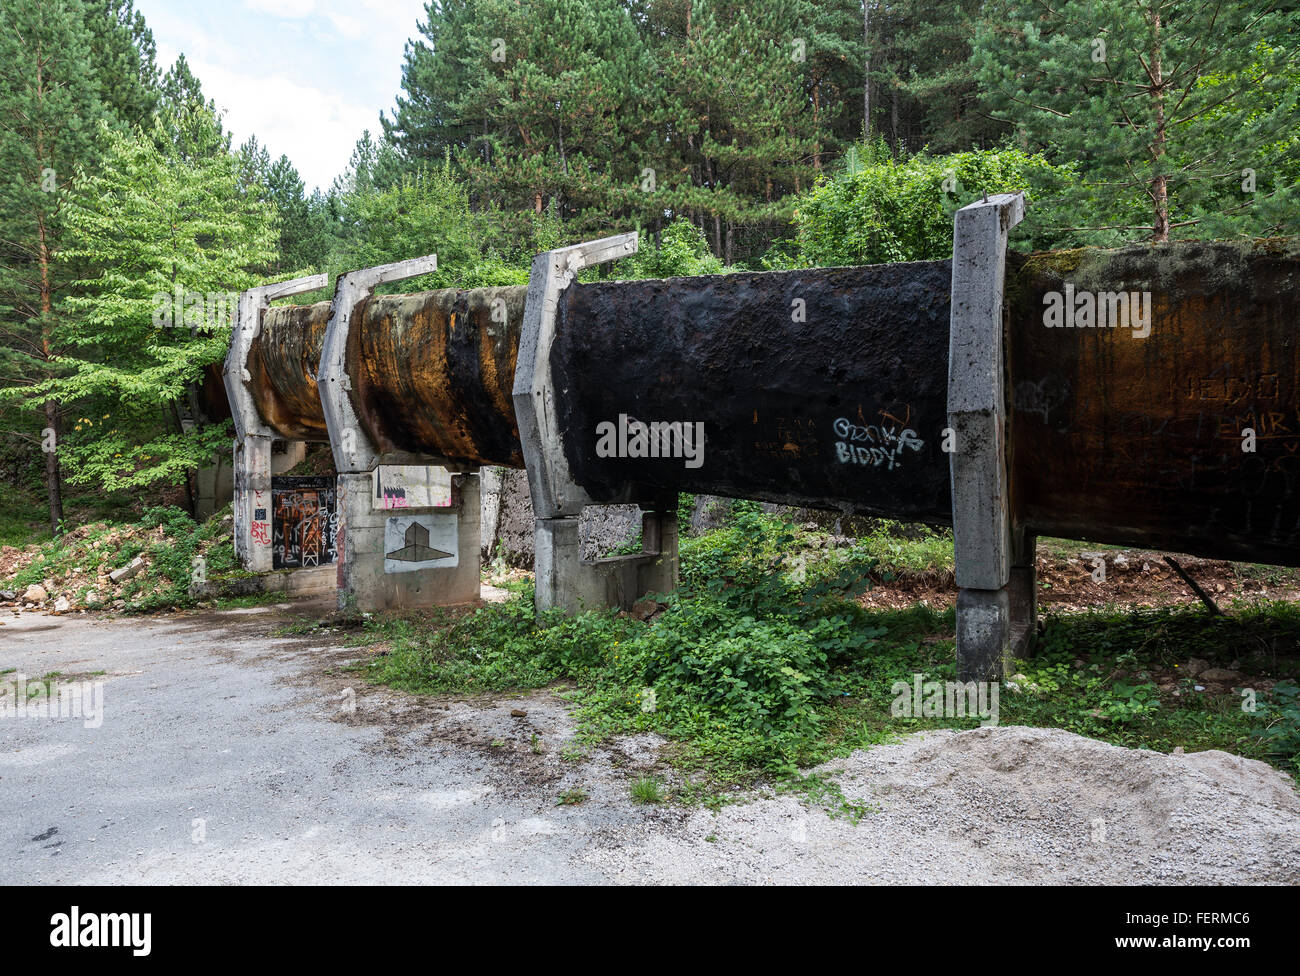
61	605
36	594
1195	666
92	598
129	570
7	595
644	609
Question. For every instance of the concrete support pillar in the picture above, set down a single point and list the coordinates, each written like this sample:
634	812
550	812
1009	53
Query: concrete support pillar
252	449
567	581
983	533
252	506
420	557
424	553
563	578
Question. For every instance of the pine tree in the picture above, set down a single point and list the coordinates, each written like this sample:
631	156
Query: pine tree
191	129
304	234
924	69
49	110
1169	110
123	53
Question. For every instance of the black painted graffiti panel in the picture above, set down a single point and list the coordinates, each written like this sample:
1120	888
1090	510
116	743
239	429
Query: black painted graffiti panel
304	522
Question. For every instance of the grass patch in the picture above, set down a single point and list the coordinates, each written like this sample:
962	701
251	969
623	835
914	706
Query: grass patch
647	790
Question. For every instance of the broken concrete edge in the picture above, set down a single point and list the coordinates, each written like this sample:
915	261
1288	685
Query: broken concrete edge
992	622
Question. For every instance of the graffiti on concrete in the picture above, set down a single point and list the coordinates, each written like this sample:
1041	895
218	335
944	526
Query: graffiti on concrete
414	542
873	445
304	522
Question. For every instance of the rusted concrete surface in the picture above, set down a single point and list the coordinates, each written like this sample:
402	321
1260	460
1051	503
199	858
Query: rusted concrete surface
432	373
1139	441
282	363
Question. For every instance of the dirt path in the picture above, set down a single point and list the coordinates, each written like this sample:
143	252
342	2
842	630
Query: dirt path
227	754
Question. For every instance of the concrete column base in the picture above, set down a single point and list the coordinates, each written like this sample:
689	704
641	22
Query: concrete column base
567	581
983	634
1022	591
994	626
381	552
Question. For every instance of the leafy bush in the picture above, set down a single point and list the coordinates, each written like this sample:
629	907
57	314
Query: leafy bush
740	663
888	210
682	251
1281	717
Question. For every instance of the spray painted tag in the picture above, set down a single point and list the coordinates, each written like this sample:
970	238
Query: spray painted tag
398	486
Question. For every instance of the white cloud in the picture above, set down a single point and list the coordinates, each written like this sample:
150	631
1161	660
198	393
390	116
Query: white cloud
315	128
291	9
305	76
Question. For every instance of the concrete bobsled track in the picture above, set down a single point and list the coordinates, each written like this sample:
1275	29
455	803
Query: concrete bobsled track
1147	396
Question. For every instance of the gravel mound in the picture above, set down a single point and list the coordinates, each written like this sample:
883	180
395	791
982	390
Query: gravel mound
1008	805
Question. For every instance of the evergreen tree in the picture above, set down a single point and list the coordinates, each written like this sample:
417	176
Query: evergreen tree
191	127
49	110
123	52
1168	110
304	232
176	241
924	71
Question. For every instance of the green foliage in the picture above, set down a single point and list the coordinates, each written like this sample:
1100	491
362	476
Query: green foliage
647	790
740	663
1281	717
167	538
682	251
174	241
884	210
1094	673
762	662
428	212
1163	107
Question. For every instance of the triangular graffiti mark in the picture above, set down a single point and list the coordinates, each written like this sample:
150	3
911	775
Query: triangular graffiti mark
417	548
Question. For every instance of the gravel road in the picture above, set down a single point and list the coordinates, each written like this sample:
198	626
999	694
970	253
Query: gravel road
229	755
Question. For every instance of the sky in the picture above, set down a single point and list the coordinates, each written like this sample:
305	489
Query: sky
305	76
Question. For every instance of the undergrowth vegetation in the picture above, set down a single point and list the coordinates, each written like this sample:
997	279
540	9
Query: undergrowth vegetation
763	662
170	542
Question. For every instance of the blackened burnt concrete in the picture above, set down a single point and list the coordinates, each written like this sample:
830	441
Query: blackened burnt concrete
822	387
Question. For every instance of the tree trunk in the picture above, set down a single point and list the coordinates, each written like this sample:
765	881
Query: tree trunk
866	70
1160	184
817	146
54	487
893	117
